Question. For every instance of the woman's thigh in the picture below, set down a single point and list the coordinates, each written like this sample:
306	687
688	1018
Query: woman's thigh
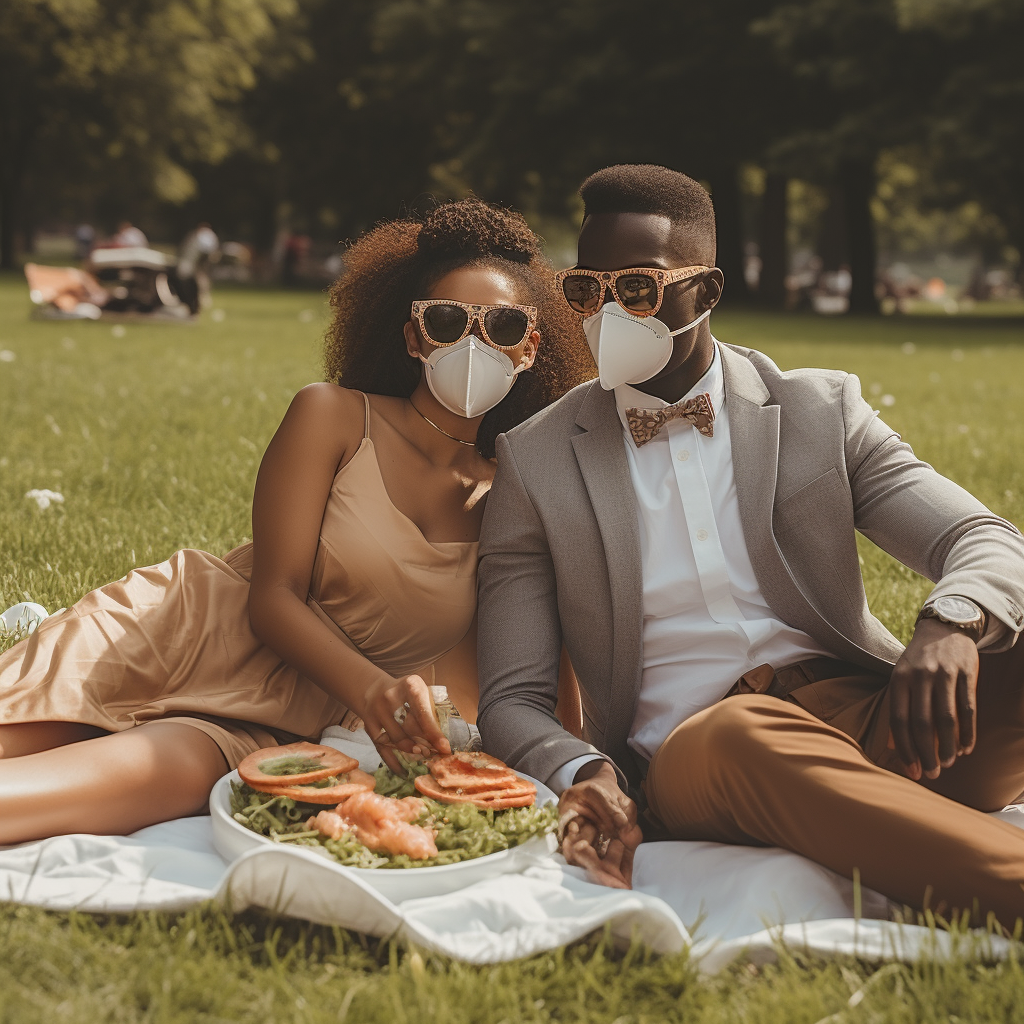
110	785
23	738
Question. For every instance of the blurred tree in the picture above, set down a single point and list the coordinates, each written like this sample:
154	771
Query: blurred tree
867	84
119	96
976	118
532	96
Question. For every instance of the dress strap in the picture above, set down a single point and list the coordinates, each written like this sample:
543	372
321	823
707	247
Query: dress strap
366	422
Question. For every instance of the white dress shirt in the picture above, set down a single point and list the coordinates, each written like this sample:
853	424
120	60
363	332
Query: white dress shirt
705	619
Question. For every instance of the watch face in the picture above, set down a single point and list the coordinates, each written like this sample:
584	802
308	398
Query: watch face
957	609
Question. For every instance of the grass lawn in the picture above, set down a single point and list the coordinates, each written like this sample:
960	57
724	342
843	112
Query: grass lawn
153	435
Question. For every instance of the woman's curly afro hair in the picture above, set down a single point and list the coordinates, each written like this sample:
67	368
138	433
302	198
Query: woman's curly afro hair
401	260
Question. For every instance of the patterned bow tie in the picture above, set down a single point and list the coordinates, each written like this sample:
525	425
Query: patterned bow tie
645	424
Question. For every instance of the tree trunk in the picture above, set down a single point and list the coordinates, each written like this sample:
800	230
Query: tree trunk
725	191
832	247
771	290
8	213
857	180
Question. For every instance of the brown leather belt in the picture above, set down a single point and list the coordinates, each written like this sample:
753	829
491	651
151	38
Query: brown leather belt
782	682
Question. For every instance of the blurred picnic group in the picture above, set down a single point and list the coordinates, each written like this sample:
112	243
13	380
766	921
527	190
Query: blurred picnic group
125	274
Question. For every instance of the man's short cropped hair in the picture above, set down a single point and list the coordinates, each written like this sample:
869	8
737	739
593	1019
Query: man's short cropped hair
649	188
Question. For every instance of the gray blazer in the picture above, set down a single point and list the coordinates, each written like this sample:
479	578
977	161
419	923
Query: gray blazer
560	548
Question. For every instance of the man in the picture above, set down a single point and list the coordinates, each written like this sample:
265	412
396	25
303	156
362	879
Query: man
685	525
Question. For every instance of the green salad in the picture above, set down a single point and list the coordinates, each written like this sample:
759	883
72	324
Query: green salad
464	832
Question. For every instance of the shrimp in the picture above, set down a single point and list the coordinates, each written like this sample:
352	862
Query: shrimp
330	823
383	823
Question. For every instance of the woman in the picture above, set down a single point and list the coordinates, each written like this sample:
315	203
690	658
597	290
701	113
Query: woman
359	586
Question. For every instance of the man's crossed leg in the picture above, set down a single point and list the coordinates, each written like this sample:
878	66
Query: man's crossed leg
757	770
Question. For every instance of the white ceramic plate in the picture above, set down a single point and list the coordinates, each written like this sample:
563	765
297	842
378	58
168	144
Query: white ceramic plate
233	839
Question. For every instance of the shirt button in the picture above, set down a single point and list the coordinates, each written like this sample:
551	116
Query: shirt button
702	535
683	455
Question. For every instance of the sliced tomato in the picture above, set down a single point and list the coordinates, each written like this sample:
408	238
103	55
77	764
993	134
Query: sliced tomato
348	784
519	793
471	771
269	767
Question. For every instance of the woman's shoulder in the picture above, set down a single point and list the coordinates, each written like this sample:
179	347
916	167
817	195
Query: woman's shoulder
327	404
334	416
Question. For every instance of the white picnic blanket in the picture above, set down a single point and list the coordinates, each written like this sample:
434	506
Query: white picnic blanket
719	900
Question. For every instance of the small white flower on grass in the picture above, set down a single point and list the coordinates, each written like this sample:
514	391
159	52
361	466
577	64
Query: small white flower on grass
118	331
888	400
7	356
226	400
908	348
217	315
1008	495
306	316
977	453
261	395
963	428
67	343
43	498
53	424
934	377
22	618
957	355
876	388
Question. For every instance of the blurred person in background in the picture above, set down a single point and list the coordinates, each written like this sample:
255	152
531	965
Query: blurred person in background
128	236
85	235
197	251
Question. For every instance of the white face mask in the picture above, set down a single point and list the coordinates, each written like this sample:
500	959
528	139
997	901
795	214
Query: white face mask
630	349
471	377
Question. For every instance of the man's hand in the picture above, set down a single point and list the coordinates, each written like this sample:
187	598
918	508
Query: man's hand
601	833
934	698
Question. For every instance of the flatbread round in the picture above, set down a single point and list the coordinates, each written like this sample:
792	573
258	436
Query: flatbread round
349	784
294	764
519	793
471	771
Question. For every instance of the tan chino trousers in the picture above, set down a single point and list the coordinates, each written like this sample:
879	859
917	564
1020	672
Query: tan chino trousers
812	771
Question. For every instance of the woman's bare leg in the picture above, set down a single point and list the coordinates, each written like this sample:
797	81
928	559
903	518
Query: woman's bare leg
111	785
30	737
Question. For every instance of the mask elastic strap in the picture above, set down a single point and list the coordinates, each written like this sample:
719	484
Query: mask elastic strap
690	326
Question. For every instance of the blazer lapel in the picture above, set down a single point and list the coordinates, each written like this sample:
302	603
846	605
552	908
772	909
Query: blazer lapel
754	428
754	431
601	456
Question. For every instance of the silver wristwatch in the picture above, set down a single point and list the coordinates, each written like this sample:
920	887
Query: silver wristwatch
961	612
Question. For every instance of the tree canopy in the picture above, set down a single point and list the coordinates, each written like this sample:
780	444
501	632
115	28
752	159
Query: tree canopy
328	115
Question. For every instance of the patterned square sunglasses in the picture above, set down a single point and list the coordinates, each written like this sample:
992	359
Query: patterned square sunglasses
446	322
641	290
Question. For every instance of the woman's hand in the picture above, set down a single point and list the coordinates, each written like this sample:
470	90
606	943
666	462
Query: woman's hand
398	713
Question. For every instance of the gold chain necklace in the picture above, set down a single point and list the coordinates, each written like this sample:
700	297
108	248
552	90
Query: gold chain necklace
472	444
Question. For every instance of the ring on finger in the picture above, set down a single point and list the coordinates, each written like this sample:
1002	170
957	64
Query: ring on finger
401	713
602	843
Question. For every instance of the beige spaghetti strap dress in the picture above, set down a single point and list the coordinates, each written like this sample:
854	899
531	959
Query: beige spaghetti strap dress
173	640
